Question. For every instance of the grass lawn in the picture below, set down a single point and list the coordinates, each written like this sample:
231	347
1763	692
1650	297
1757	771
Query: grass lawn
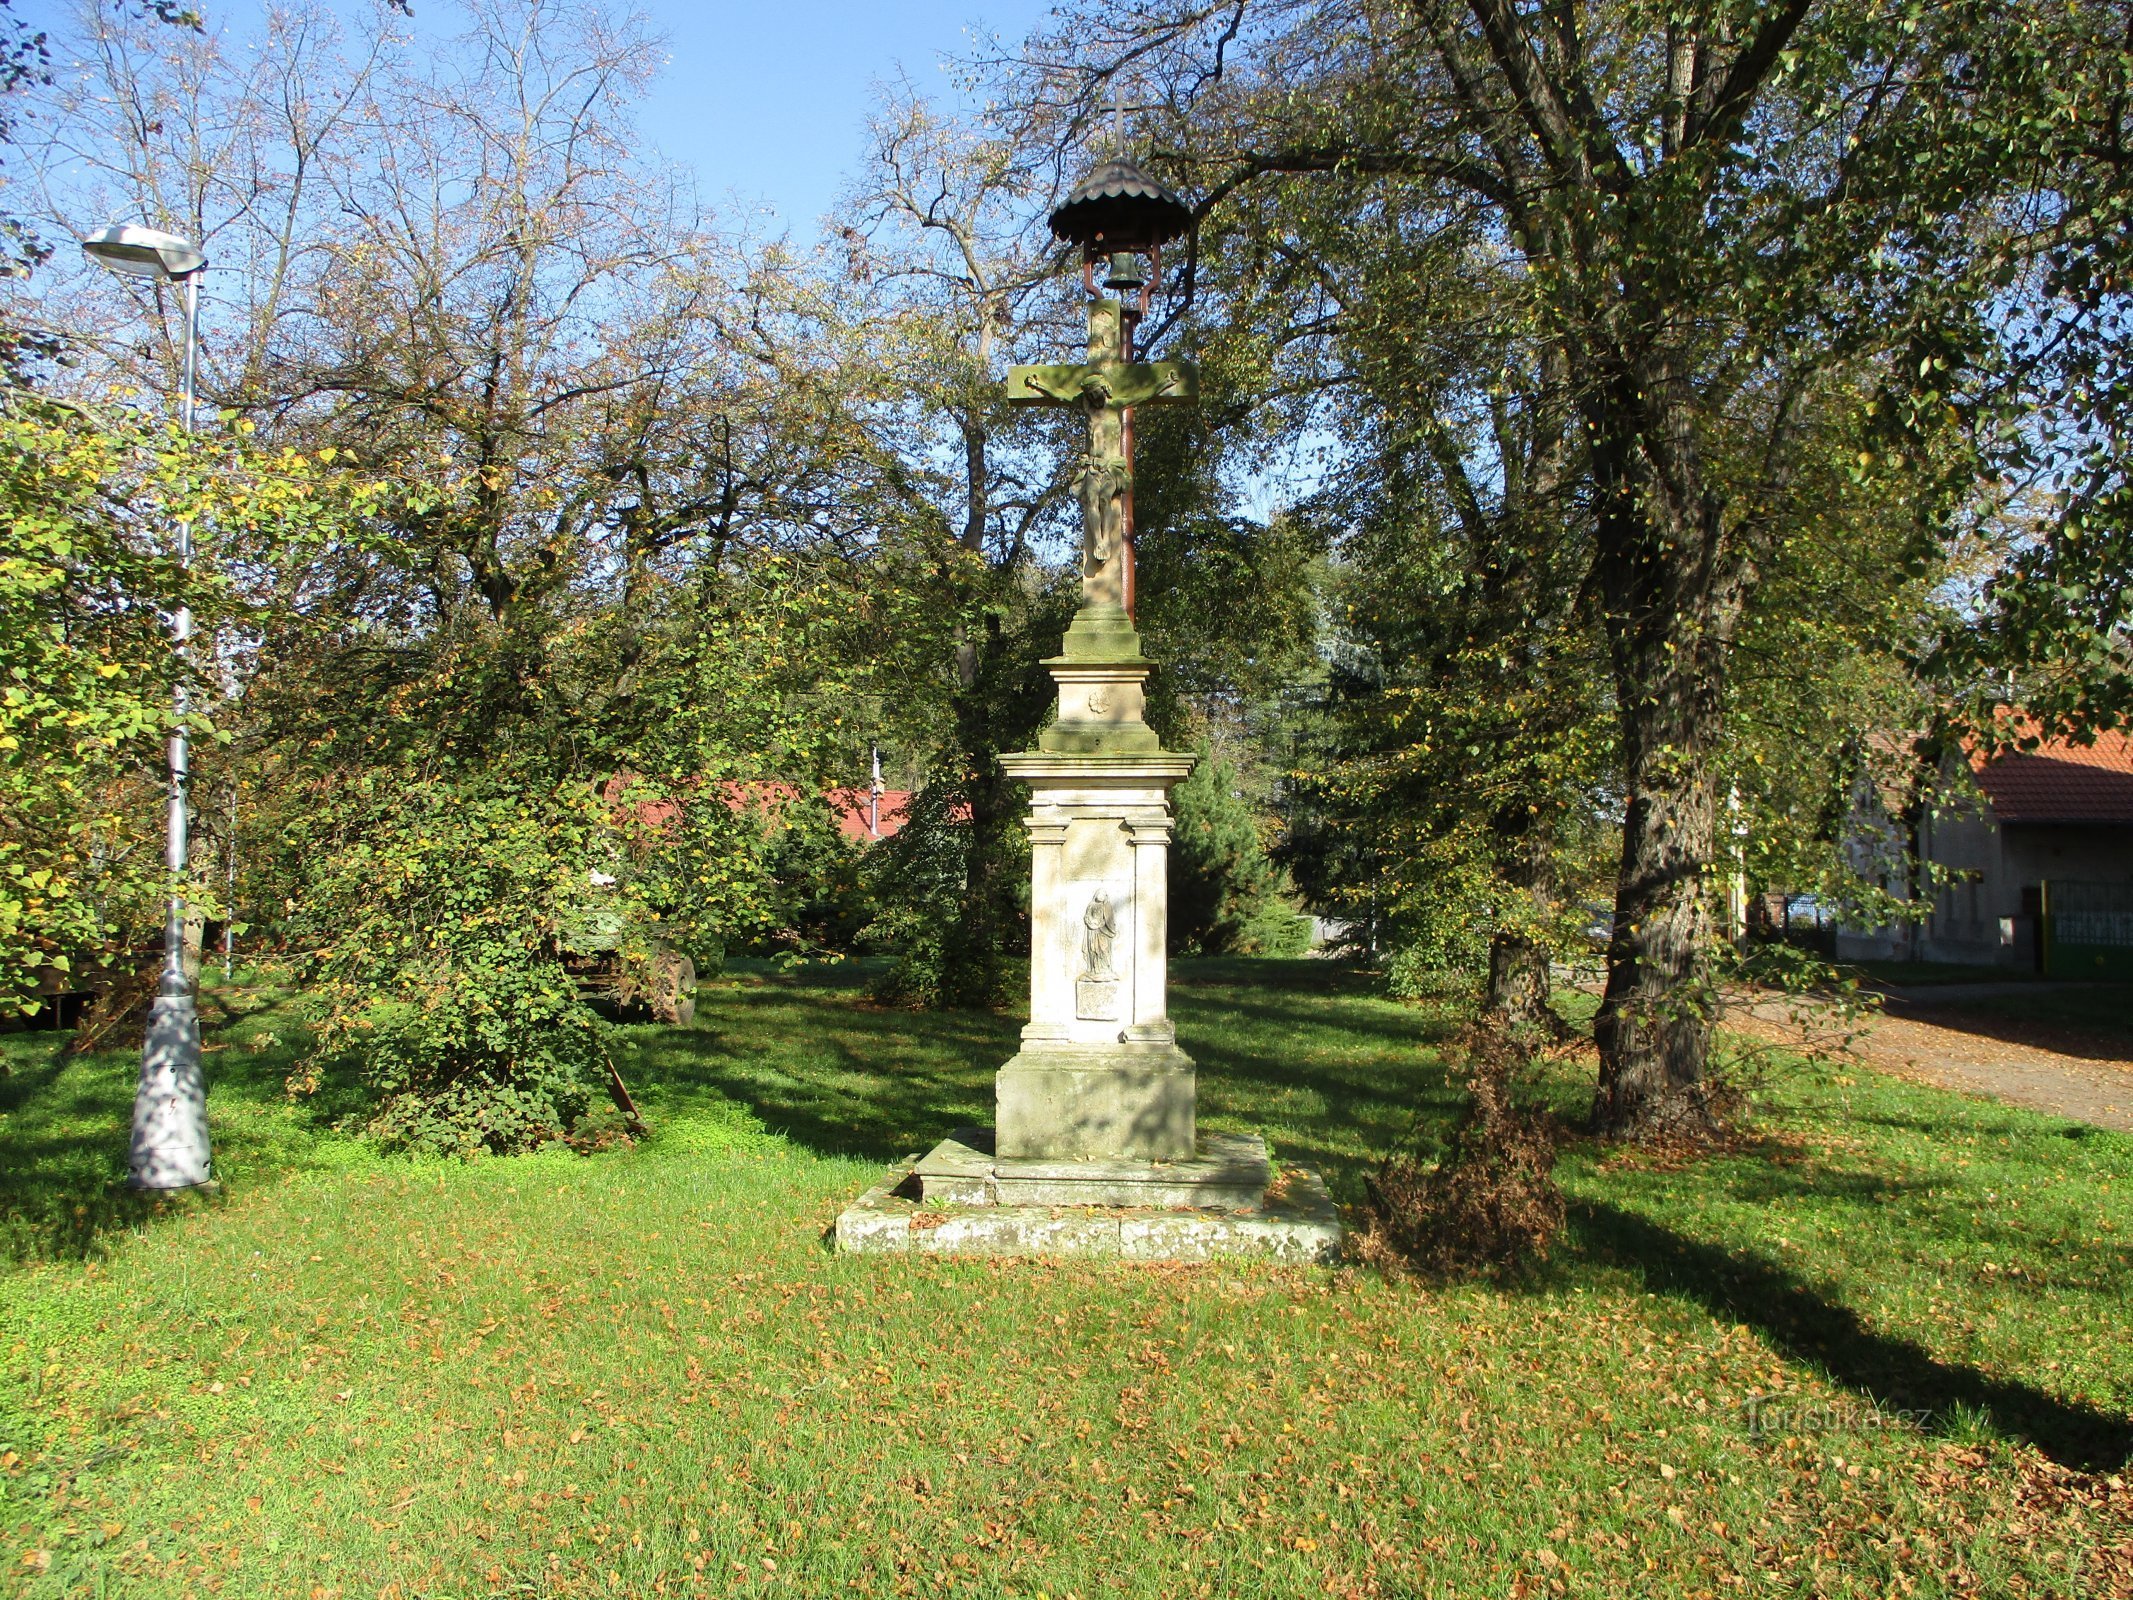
642	1373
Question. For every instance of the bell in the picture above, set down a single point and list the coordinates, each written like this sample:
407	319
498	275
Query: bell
1119	208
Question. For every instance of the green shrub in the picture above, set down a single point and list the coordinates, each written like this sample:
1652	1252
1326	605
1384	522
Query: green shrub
433	923
817	900
953	899
1226	895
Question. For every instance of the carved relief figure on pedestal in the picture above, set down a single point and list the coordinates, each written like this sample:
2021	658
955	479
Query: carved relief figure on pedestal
1096	990
1100	925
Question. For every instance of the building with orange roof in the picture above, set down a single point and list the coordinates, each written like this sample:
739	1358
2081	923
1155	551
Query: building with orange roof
2037	863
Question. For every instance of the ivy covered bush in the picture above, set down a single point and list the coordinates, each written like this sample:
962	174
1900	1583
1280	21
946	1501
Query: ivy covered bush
463	823
432	935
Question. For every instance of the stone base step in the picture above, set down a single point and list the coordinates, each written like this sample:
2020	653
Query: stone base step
1229	1171
915	1208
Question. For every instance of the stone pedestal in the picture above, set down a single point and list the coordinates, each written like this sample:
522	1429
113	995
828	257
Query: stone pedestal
1100	1075
1096	1111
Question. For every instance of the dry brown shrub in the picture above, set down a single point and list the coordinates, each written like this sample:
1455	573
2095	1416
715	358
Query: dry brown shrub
1491	1204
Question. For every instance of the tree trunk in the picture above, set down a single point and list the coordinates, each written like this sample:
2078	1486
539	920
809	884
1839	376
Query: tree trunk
1518	982
1671	608
1519	962
1654	1025
977	505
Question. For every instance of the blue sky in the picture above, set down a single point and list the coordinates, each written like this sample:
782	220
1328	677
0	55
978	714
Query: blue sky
765	98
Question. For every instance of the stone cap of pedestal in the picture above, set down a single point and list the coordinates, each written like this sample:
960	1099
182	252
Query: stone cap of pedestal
1072	669
1133	738
1100	631
1102	710
1108	770
1131	659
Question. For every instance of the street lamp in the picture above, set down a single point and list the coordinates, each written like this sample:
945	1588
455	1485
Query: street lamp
169	1148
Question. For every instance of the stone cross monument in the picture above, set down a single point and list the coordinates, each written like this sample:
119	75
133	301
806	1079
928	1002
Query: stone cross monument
1100	1075
1097	1148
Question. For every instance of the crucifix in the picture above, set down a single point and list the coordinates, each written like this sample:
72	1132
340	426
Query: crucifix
1108	386
1097	1144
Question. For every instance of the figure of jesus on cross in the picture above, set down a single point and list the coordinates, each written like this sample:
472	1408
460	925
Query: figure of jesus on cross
1107	386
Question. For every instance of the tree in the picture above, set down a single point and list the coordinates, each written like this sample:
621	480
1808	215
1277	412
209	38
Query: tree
1713	212
952	287
600	598
87	504
25	61
1469	758
2039	375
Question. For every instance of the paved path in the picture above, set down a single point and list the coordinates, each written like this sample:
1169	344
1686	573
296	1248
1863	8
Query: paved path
1925	1033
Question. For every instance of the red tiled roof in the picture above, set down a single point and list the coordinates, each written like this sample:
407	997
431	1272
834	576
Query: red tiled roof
857	818
2063	782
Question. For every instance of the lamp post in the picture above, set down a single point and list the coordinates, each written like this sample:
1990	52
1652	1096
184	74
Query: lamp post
169	1148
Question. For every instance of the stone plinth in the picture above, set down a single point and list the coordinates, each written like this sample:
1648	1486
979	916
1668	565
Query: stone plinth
1293	1222
1228	1172
1126	1101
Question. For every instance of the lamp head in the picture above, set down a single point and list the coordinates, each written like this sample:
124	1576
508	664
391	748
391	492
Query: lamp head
140	252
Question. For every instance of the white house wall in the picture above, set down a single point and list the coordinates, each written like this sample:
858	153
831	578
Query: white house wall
1979	919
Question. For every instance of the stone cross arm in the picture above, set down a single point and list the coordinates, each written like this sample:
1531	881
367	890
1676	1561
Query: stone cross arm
1108	383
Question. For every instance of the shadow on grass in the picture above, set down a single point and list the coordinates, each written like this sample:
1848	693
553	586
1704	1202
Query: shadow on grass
1280	1046
62	1159
1774	1176
1269	975
1341	1119
1212	1009
65	1122
1894	1372
830	1071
